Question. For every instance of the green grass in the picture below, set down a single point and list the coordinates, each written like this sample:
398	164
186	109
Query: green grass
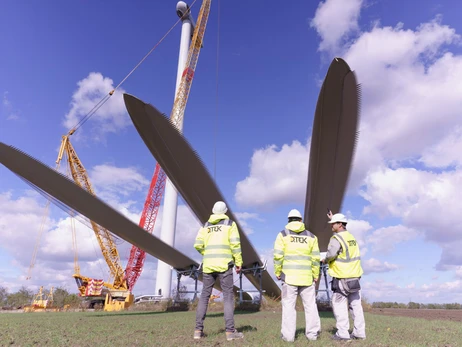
176	329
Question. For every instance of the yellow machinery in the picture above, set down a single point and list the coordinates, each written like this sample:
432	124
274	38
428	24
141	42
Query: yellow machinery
42	302
115	295
118	296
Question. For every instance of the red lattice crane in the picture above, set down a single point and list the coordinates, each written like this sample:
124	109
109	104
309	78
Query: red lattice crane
157	187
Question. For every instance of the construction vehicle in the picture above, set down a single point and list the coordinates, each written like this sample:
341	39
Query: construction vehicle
42	302
213	297
115	294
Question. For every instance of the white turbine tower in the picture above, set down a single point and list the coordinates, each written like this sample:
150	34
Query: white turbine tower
167	234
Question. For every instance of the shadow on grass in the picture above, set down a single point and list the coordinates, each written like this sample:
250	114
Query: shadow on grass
300	332
241	329
215	314
221	314
129	314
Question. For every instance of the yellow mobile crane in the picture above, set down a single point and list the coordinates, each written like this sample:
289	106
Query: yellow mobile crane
42	302
118	296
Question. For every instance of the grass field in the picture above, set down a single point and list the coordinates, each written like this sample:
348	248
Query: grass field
176	329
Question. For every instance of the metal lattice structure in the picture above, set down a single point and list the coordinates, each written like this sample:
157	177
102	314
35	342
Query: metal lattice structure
157	187
103	236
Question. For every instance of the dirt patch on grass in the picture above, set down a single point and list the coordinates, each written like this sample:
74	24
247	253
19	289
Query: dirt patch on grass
452	315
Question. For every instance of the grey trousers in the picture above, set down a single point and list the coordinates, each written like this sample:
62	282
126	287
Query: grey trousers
341	304
226	282
289	314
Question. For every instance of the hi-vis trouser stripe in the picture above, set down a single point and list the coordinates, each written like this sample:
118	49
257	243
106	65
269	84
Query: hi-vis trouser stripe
347	252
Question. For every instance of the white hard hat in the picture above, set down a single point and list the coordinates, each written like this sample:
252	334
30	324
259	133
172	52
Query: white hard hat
294	214
219	208
338	218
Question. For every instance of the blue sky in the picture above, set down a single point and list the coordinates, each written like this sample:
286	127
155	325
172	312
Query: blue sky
58	61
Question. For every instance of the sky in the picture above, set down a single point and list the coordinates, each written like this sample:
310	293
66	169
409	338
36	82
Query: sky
249	117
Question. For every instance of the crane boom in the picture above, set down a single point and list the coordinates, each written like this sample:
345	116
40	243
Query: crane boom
103	236
157	187
147	222
182	95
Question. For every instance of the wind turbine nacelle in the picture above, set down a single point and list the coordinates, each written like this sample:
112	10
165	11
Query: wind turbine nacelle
182	9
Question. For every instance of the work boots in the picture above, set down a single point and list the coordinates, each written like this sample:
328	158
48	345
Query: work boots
235	335
198	334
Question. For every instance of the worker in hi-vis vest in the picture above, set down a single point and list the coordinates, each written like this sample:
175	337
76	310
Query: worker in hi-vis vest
344	262
296	264
219	243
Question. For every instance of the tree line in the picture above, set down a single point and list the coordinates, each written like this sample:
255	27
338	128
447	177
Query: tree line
24	296
416	305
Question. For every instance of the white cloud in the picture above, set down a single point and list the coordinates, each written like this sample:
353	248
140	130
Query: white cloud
20	218
411	103
459	272
411	111
11	114
410	115
121	180
426	201
435	292
392	192
375	265
276	176
359	229
243	218
446	152
385	239
187	227
110	118
6	101
334	20
410	91
435	289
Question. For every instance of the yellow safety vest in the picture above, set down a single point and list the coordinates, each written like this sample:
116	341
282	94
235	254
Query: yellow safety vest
348	262
296	255
219	243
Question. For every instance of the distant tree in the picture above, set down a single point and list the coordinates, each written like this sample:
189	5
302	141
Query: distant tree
22	297
3	296
73	300
59	296
413	305
453	306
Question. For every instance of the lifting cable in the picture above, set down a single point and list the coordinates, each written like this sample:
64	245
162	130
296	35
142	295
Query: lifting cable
107	96
216	100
